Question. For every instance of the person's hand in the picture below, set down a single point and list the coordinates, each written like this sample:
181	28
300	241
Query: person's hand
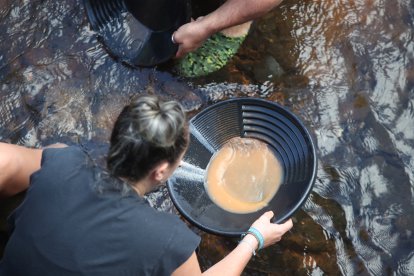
271	232
190	36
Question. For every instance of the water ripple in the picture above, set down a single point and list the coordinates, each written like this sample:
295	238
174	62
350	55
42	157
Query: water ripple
406	265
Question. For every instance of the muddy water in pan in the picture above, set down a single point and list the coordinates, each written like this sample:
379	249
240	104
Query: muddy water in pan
243	176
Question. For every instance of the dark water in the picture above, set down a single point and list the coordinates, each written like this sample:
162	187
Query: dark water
344	66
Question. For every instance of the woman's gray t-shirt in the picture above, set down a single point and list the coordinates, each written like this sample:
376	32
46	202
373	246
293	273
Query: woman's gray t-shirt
77	220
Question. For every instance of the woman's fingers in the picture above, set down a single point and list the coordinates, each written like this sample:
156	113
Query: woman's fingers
288	224
284	227
269	215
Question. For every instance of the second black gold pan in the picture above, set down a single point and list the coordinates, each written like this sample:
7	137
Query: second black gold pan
138	32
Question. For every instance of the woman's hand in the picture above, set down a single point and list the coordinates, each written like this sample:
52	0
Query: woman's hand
271	232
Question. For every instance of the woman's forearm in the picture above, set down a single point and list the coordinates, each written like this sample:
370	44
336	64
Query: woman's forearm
17	163
235	262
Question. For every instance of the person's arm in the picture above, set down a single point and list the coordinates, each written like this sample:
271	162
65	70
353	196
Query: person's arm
233	12
235	262
17	163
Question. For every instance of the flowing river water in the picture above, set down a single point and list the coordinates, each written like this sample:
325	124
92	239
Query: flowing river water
345	67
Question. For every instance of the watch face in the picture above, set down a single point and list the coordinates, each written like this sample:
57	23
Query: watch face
138	32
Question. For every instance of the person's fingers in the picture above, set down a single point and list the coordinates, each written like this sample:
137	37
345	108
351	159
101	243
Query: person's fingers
175	38
286	226
180	53
268	215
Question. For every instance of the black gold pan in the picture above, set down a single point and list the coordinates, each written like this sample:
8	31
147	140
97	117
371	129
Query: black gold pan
267	121
138	32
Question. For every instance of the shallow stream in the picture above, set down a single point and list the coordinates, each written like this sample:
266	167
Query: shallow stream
346	67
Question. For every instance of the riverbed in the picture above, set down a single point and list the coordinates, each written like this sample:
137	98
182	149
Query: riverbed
345	67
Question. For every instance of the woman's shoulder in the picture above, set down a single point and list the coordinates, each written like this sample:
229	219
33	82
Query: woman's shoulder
65	152
61	162
74	155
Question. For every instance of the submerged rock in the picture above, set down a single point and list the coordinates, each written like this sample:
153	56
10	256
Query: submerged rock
267	69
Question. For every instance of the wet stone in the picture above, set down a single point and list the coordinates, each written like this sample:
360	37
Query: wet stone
38	56
267	69
169	88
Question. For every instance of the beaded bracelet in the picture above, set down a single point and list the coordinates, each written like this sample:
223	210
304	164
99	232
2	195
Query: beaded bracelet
257	235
